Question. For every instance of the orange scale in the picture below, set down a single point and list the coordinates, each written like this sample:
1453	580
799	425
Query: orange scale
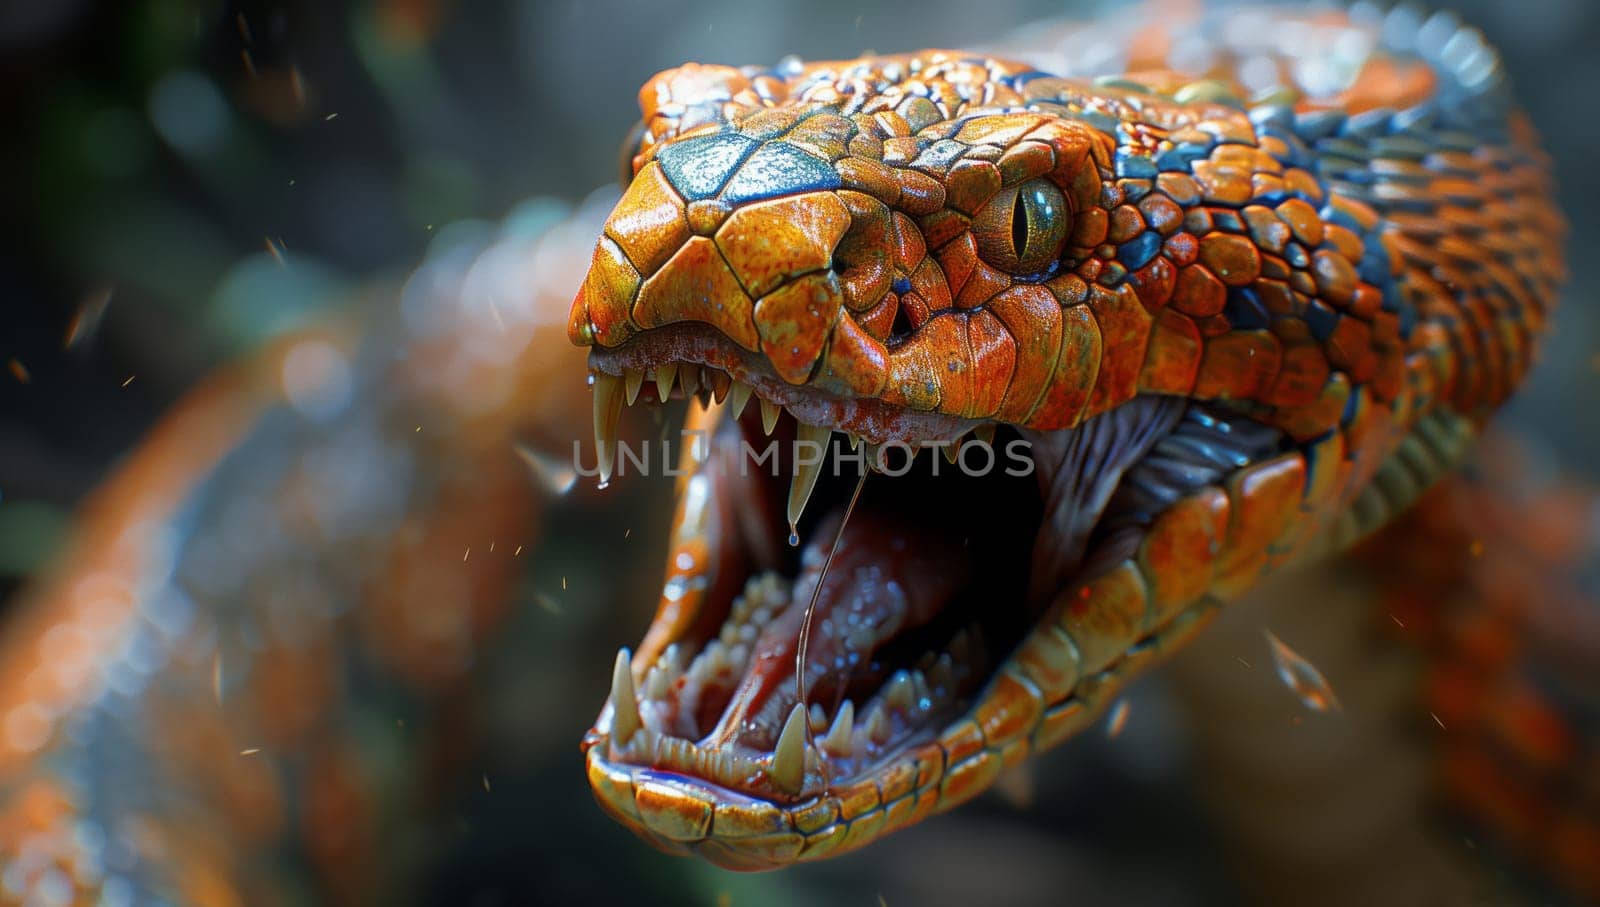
1180	549
1032	318
1076	371
994	363
1155	283
1125	329
1198	293
1239	365
1172	360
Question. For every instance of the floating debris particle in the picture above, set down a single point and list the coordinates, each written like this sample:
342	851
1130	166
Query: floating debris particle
486	781
467	554
1117	720
129	381
86	320
216	678
1438	722
1301	676
19	371
251	751
1397	621
1476	548
272	247
553	474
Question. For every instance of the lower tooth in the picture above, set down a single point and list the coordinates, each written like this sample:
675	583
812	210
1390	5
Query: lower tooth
788	770
901	691
877	724
839	736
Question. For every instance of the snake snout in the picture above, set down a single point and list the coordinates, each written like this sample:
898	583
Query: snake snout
730	232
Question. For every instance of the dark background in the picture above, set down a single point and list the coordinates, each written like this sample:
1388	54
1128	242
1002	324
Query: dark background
225	171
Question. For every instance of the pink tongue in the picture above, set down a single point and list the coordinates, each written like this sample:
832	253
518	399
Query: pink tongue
890	574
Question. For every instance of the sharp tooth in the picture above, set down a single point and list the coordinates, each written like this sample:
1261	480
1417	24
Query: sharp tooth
720	384
769	415
942	676
665	375
817	717
901	691
624	710
738	396
656	682
634	379
805	475
960	647
855	440
838	739
950	449
984	433
877	726
607	407
690	379
788	769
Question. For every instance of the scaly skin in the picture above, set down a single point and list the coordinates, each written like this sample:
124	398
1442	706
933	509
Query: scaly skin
1364	263
254	655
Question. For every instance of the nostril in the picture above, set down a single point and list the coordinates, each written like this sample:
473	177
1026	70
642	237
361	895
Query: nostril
902	326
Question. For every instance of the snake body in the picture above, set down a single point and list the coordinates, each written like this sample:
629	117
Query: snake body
1328	230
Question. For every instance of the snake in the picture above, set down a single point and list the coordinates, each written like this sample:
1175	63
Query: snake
1225	308
1176	301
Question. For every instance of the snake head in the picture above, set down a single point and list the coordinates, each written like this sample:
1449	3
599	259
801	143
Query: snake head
893	261
1117	308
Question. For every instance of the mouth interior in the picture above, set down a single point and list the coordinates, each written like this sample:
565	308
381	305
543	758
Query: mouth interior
925	594
939	572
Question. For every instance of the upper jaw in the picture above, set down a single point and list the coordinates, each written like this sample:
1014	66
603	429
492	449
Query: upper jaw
681	347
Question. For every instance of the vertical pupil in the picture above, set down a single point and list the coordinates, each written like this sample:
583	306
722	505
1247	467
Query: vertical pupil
1019	225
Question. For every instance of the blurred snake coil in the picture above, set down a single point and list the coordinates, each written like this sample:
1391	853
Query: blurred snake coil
1229	308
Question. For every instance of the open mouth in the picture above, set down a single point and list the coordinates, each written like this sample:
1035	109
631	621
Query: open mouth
819	633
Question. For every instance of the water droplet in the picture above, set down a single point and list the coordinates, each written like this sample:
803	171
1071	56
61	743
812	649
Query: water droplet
1117	720
794	536
1301	676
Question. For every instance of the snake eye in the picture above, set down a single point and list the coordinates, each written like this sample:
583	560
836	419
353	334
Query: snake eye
1022	229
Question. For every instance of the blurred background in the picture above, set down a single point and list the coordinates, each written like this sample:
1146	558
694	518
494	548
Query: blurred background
187	180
